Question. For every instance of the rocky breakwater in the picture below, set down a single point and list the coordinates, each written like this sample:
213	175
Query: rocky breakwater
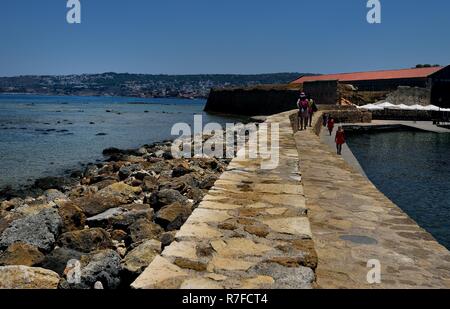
104	229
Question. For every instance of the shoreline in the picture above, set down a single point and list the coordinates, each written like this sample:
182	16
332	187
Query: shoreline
115	215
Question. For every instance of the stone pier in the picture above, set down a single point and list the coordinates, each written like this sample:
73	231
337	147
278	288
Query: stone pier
312	222
250	231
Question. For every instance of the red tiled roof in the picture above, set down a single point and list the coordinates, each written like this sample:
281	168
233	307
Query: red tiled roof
374	75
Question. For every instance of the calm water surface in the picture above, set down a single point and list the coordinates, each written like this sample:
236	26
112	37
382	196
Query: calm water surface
413	170
45	135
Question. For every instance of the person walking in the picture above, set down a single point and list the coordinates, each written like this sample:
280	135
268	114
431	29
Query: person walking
325	120
330	125
312	108
303	105
340	140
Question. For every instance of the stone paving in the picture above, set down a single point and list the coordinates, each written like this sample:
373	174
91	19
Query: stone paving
353	222
250	231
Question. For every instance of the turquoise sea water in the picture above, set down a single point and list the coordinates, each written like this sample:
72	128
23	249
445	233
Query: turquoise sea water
46	135
412	168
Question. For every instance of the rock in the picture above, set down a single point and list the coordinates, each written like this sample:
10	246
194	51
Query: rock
103	266
208	182
52	195
144	229
167	155
287	277
150	184
21	254
86	240
40	230
23	277
72	217
180	170
167	239
260	230
112	196
139	258
119	235
166	197
122	217
46	183
112	151
58	258
126	171
173	216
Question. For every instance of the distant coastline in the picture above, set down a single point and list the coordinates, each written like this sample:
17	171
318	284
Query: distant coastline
136	85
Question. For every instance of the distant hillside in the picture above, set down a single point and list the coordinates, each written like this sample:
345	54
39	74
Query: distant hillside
137	85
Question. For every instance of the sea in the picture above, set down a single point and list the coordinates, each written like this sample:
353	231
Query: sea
412	168
51	135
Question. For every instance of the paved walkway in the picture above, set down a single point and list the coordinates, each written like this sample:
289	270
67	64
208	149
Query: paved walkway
421	125
250	231
352	222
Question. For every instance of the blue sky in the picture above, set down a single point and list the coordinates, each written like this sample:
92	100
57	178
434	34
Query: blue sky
212	36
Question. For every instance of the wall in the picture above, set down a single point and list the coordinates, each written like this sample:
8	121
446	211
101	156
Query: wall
410	96
323	92
251	102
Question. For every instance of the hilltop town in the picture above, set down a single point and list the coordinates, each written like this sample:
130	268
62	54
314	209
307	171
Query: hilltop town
136	85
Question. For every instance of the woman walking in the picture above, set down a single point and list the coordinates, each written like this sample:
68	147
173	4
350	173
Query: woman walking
330	125
340	140
312	108
303	105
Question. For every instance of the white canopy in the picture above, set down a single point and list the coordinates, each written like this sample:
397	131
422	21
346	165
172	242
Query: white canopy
386	105
371	107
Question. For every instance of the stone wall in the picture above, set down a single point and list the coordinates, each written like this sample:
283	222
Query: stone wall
251	102
410	96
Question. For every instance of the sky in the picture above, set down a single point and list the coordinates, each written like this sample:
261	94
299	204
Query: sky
212	36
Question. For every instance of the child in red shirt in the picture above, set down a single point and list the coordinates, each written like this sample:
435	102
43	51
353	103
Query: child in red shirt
340	140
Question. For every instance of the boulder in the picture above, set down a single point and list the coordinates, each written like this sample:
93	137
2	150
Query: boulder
21	254
167	239
122	217
24	277
40	230
52	195
139	258
180	170
58	258
112	196
46	183
126	171
86	240
166	197
150	184
119	235
72	217
208	182
104	267
144	229
172	217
